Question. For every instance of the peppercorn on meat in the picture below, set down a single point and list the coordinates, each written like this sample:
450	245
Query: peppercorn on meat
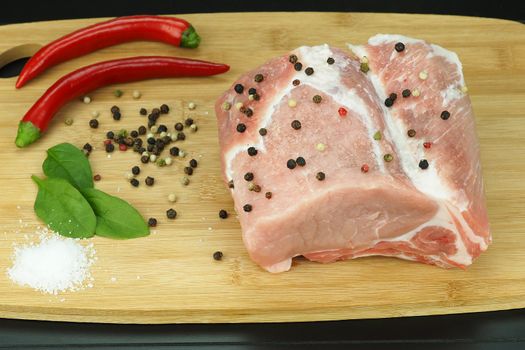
335	154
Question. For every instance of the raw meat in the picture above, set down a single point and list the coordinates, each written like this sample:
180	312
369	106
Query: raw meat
378	196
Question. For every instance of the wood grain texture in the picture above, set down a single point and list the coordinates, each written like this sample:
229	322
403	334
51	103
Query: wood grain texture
171	276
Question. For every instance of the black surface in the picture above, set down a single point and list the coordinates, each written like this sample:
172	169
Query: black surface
492	330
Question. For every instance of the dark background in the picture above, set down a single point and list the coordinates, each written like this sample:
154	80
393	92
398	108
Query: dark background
492	330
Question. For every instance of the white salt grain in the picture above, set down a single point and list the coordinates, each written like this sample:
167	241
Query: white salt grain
55	264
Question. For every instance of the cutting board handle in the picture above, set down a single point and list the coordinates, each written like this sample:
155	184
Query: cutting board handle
18	52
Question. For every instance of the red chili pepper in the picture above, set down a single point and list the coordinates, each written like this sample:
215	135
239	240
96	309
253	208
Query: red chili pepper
100	74
170	30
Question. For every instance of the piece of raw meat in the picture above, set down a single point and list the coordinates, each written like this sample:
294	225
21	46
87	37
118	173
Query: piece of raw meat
327	163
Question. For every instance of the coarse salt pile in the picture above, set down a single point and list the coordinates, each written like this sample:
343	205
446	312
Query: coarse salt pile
55	264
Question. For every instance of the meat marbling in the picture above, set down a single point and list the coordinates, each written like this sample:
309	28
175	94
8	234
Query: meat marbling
369	203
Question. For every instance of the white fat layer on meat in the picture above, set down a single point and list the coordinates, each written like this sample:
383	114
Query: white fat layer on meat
380	39
327	80
450	94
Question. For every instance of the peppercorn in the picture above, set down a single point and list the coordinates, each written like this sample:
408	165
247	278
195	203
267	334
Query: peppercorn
188	122
97	177
135	170
150	123
181	136
399	47
247	208
144	159
230	184
171	213
365	168
320	176
110	147
164	109
309	71
150	181
248	176
188	170
252	91
134	133
363	67
411	133
128	141
153	117
241	127
268	195
193	163
117	116
296	124
150	148
217	256
256	188
378	136
179	126
388	157
223	214
393	96
263	131
162	128
389	102
258	78
317	99
406	93
152	222
115	109
298	66
292	58
134	182
423	164
93	123
87	147
122	147
117	93
256	97
252	151
300	161
291	164
138	141
155	111
296	82
248	112
143	111
239	88
445	115
427	144
330	60
185	181
174	151
142	130
151	140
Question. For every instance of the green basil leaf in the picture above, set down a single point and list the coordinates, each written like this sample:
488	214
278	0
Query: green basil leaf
67	162
116	218
63	208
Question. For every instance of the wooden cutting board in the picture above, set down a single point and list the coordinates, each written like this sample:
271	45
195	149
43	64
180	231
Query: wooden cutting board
171	276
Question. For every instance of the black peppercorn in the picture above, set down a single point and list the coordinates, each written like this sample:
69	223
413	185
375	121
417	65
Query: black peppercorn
248	176
138	142
256	97
135	170
247	208
144	159
263	131
296	124
445	115
423	164
134	182
406	93
193	163
393	96
252	91
150	181
300	161
320	176
389	102
230	184
252	151
155	111
142	130
292	58
181	136
164	109
217	256
188	122
298	66
248	112
268	195
174	151
115	109
317	99
188	170
239	88
179	126
152	222
150	123
150	148
171	213
143	111
93	123
88	147
291	164
110	135
110	147
309	71
223	214
296	82
151	140
116	116
399	47
258	78
166	139
411	133
134	133
241	127
330	60
153	117
162	128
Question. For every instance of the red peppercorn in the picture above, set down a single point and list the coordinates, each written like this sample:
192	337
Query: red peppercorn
427	144
107	142
365	168
342	112
122	147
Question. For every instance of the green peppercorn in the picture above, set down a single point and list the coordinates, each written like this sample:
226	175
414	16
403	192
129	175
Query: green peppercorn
378	136
363	67
388	157
117	93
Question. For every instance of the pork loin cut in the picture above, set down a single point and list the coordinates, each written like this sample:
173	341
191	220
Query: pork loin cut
382	174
